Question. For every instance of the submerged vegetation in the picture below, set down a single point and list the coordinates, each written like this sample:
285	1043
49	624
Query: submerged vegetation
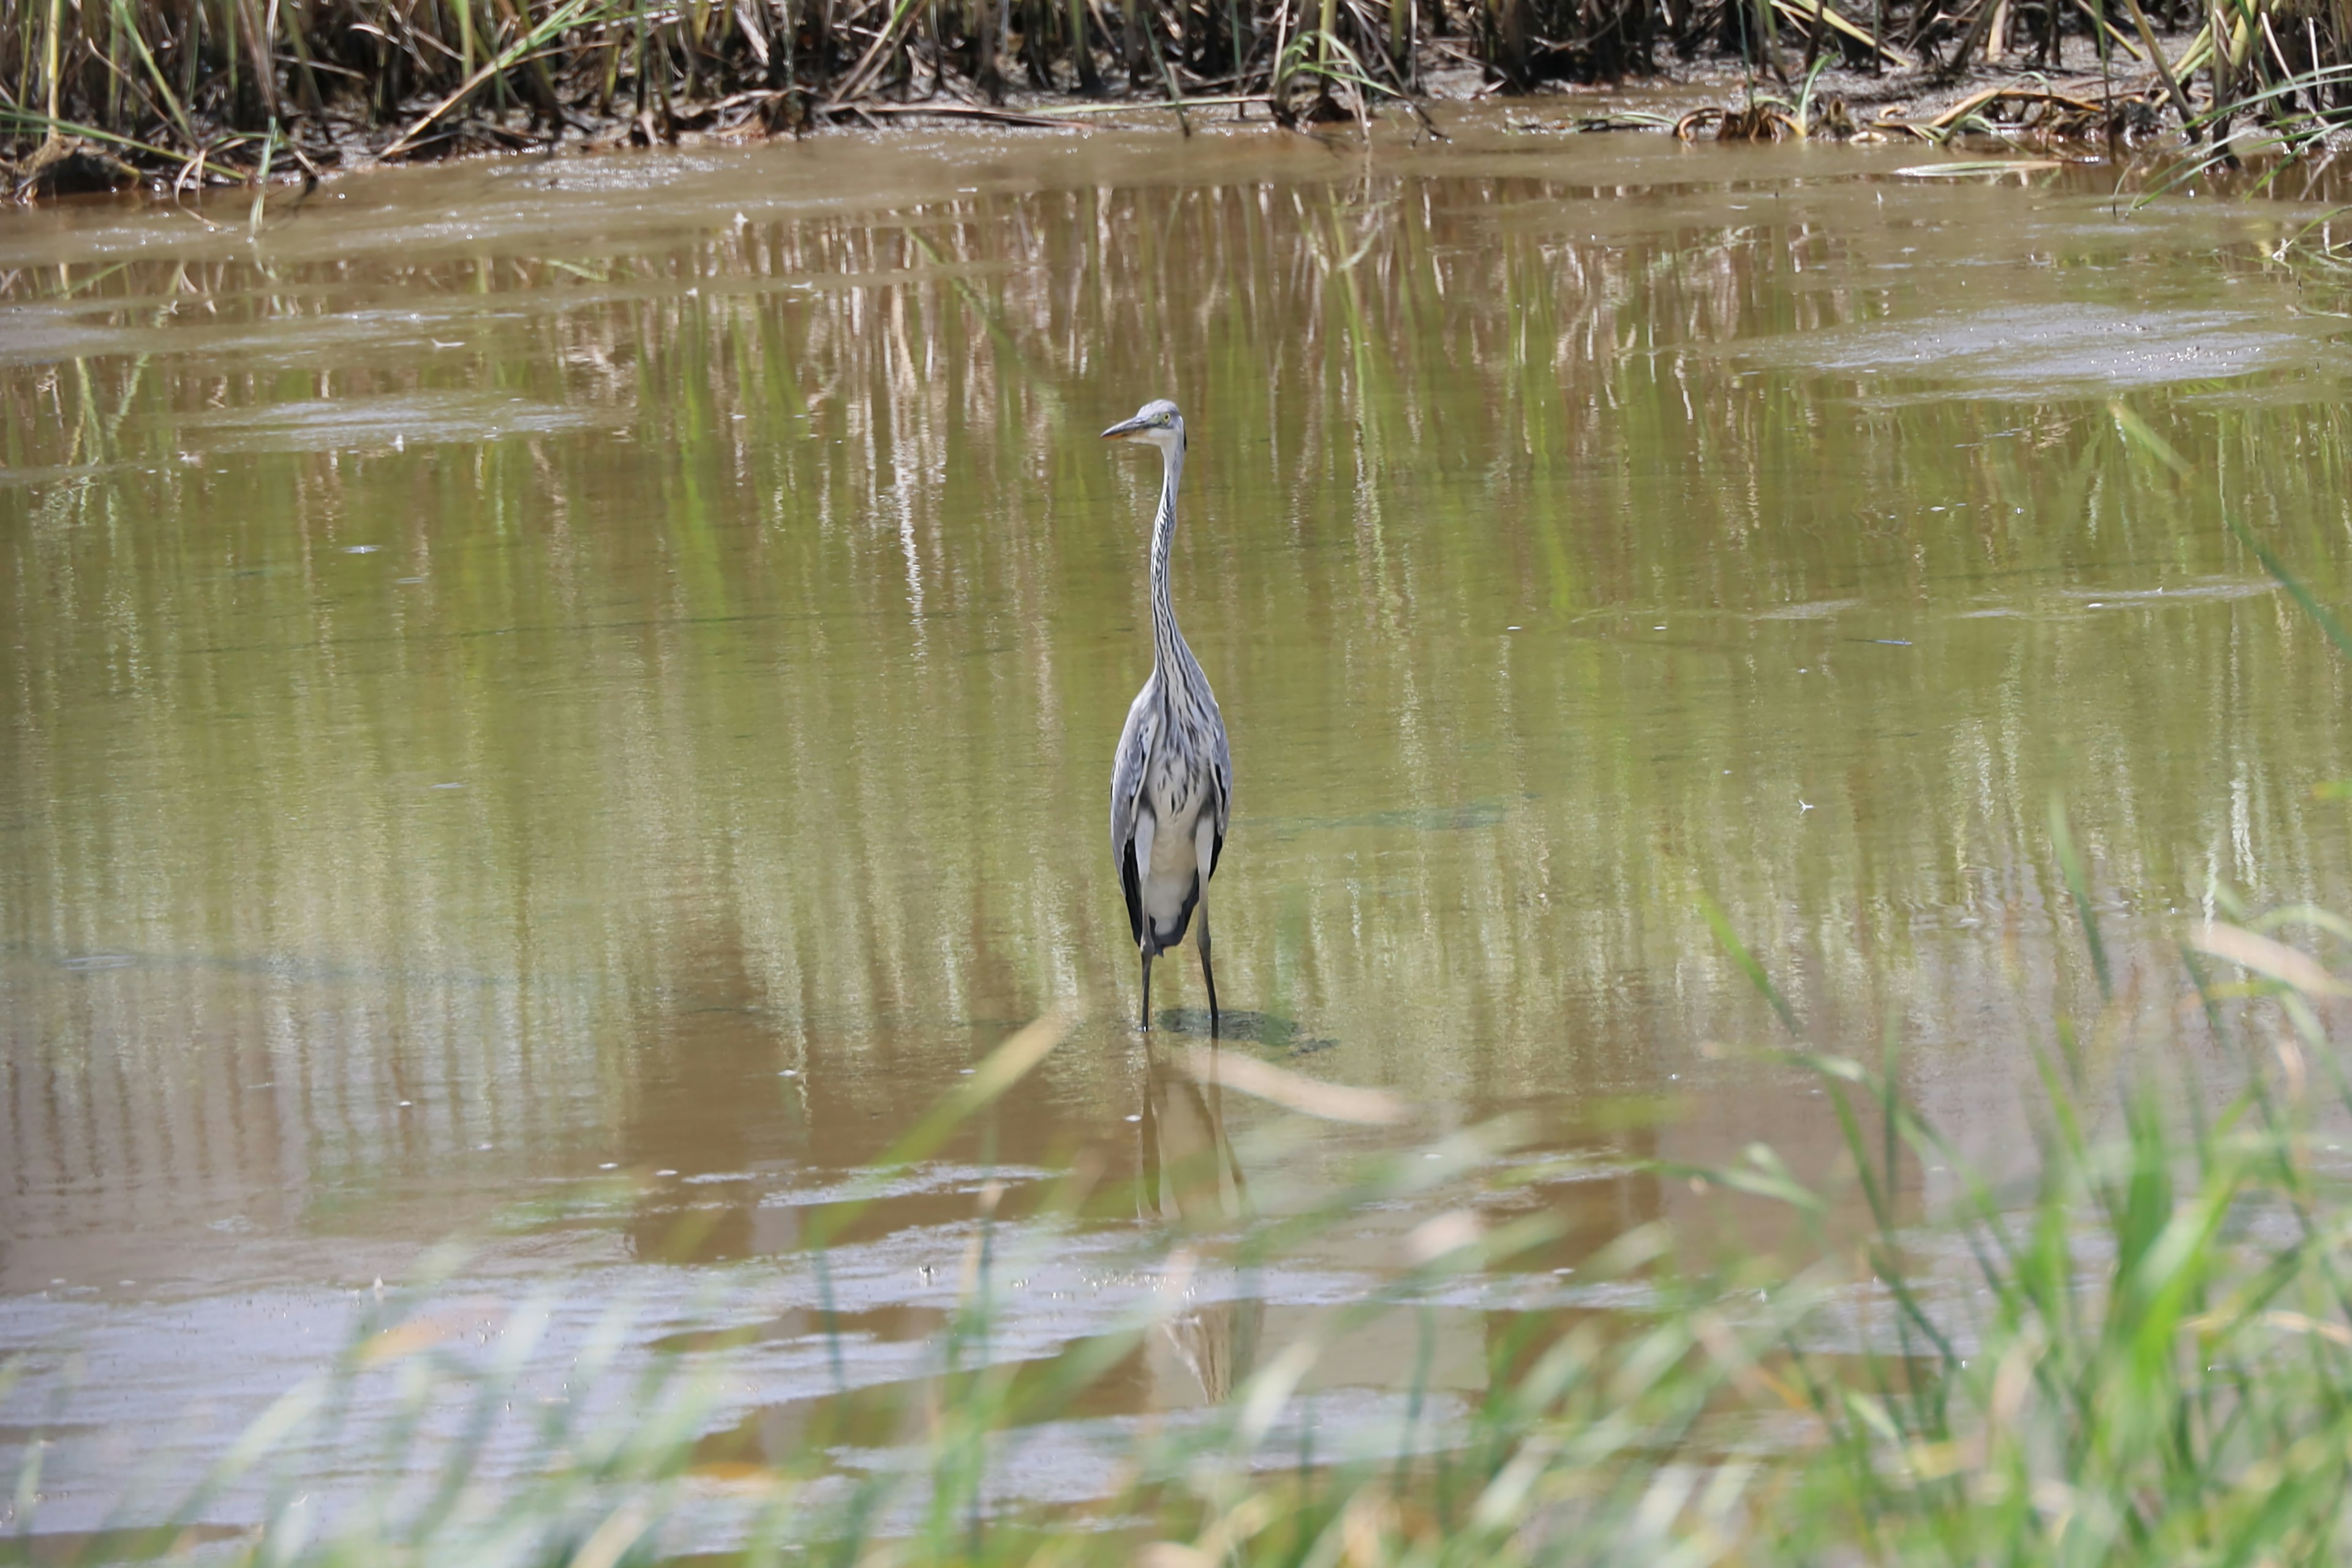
100	92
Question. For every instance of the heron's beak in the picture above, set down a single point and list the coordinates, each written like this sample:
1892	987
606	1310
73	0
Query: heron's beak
1123	429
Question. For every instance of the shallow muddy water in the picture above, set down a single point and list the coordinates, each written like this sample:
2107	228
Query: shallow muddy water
569	703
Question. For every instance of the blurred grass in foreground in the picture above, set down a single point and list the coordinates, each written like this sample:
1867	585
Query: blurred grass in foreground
2136	1349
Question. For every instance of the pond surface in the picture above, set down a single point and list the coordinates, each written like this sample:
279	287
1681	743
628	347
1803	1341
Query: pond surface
568	703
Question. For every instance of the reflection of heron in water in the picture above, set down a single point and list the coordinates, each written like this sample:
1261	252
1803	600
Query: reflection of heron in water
1171	784
1193	1183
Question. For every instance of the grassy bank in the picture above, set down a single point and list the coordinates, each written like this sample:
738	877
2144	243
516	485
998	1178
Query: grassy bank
199	91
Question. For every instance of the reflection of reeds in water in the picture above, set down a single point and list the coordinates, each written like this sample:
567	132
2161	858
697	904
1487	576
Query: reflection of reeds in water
1194	1187
683	661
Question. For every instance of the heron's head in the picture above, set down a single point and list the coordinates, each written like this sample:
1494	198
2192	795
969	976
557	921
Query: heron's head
1156	422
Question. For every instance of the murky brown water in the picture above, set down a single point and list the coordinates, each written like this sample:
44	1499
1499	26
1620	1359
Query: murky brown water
592	685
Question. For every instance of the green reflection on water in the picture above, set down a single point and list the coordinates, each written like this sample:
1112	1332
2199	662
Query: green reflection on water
563	690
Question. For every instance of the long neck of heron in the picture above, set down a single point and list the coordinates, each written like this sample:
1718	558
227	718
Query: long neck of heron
1166	643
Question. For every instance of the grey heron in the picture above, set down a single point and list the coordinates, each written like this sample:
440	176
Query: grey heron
1171	784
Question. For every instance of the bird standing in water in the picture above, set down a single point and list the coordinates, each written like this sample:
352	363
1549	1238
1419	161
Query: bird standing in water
1171	784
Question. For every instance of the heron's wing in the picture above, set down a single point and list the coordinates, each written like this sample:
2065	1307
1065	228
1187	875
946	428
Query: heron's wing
1127	770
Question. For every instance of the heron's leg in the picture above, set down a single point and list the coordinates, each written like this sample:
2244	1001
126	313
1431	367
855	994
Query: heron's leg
1204	859
1146	1025
1207	973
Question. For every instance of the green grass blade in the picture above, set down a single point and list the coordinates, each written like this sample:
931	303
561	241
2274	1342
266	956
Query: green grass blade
1746	965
